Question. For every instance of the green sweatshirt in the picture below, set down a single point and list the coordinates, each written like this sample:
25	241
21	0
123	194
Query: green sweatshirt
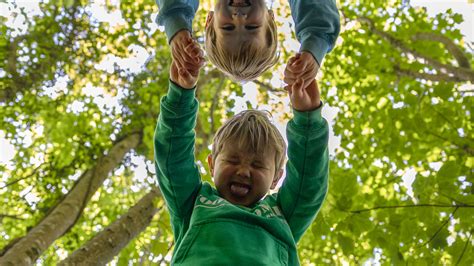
316	22
209	230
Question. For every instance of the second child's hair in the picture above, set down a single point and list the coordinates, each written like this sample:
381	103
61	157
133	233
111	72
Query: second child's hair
250	60
253	131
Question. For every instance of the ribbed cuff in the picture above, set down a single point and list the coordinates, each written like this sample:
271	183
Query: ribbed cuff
175	24
318	47
308	118
178	95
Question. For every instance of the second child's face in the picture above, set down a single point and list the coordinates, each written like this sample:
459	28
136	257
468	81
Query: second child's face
242	177
238	21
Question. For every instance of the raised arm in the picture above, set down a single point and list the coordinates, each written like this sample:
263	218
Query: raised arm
178	175
306	182
317	25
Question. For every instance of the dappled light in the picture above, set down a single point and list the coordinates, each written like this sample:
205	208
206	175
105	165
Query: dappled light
80	89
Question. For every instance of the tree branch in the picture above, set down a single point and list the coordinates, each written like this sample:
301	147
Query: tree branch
59	220
413	206
426	76
448	43
441	227
462	73
464	249
105	245
9	216
206	136
169	249
268	86
21	178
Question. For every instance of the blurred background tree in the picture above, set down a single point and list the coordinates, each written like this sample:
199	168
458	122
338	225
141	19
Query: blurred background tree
80	83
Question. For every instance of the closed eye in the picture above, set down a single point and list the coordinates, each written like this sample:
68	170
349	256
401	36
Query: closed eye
259	166
228	27
247	27
233	162
251	27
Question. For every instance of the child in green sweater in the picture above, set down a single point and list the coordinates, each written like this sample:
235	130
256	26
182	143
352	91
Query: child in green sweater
238	222
241	35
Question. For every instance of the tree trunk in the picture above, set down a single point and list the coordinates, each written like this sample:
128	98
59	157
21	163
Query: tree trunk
107	244
65	214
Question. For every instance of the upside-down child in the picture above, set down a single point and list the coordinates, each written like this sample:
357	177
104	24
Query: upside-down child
237	221
241	35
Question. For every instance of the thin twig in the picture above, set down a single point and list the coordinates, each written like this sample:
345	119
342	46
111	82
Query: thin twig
268	86
412	206
464	249
164	256
21	178
441	227
10	216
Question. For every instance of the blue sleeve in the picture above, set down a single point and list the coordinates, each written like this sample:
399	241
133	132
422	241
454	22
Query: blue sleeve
317	25
176	15
307	170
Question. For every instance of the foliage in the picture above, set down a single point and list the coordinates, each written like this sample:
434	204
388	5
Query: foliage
401	180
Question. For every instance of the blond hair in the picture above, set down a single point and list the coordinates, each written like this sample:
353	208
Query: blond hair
253	131
250	60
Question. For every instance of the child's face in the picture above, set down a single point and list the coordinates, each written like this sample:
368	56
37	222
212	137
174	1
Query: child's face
238	21
243	177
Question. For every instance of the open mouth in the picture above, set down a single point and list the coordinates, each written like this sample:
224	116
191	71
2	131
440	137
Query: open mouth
240	190
240	3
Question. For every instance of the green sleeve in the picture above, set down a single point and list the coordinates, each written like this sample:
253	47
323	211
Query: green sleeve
176	15
317	25
307	170
178	175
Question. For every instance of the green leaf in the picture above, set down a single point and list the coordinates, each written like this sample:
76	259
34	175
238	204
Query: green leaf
346	243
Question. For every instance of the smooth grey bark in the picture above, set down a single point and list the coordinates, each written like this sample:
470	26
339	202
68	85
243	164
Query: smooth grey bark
65	214
103	247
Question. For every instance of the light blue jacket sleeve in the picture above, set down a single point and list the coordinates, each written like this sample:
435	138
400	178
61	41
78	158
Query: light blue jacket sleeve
317	25
176	15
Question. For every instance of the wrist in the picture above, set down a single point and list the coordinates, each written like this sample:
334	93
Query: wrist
183	85
179	35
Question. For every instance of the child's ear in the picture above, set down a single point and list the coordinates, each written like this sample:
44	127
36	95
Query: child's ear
272	15
211	164
210	17
277	177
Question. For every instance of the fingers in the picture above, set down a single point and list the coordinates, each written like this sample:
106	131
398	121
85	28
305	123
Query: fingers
184	74
289	89
292	60
194	50
298	86
189	58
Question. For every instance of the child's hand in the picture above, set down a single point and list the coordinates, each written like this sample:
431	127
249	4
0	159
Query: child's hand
187	60
302	67
185	51
305	98
184	77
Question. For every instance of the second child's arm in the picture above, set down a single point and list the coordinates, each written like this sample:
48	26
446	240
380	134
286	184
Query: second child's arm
176	15
317	25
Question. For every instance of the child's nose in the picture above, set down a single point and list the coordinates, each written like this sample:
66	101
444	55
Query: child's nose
243	171
238	14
